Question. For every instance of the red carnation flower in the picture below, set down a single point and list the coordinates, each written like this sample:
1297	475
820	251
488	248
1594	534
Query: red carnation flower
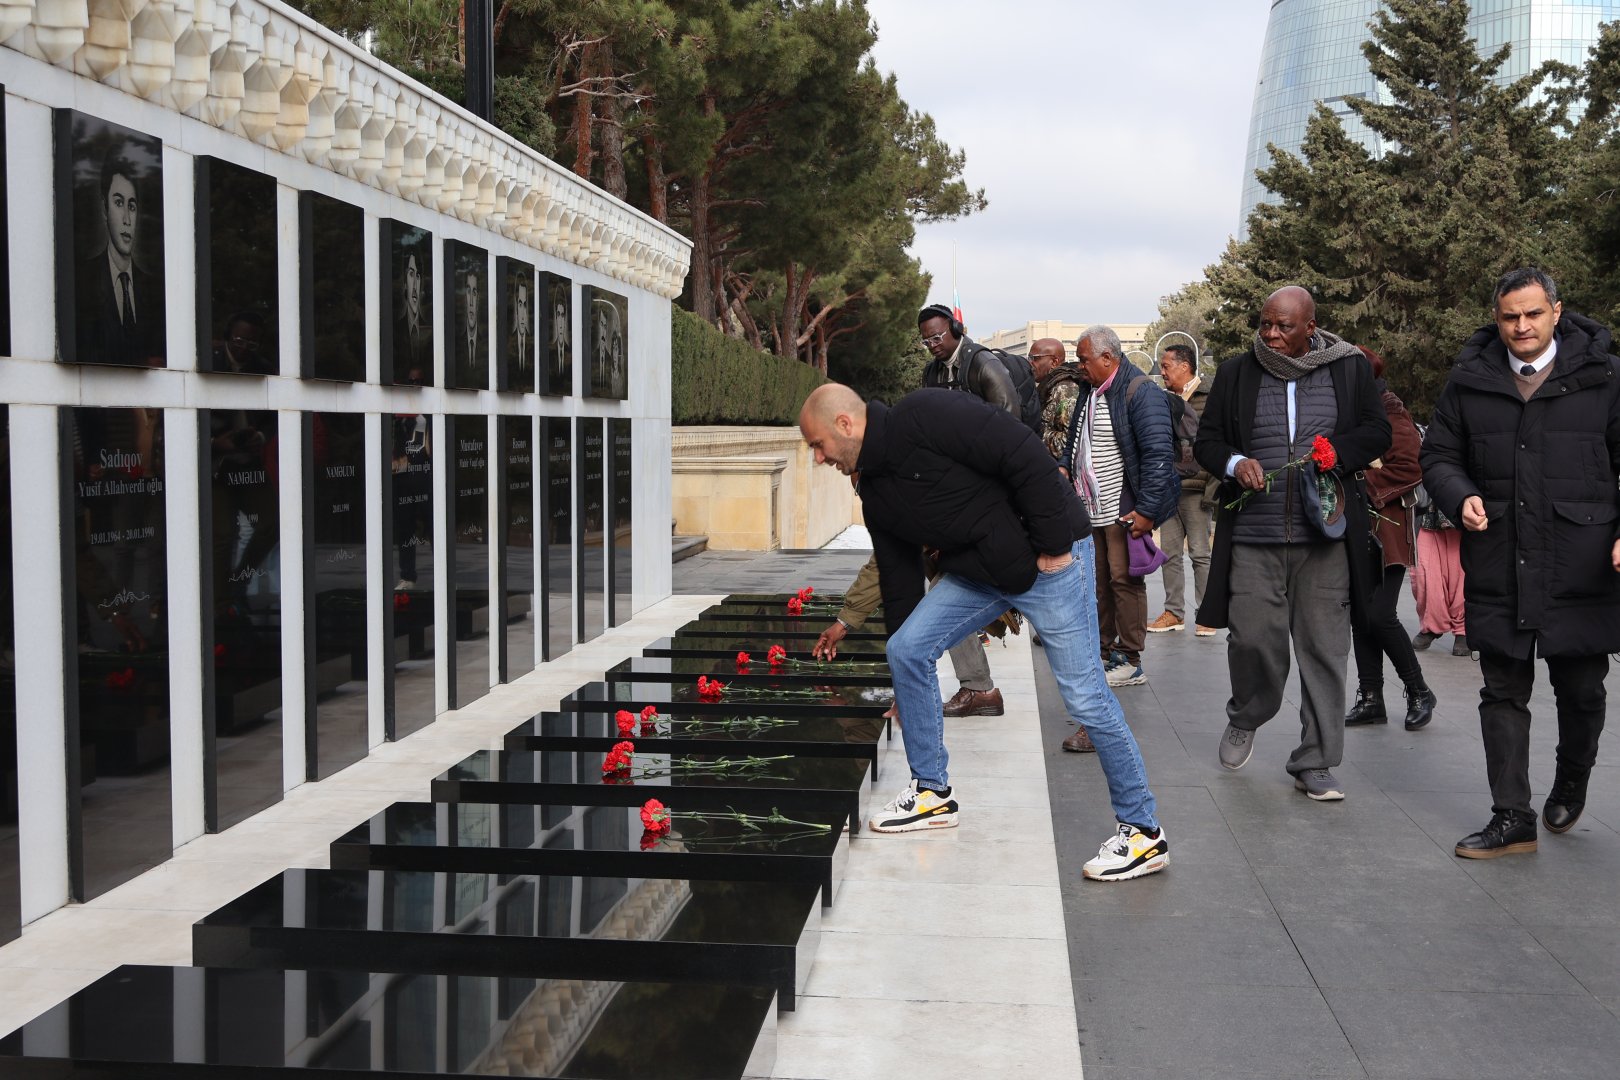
655	817
402	601
795	606
1323	454
743	660
649	713
626	721
650	839
777	655
805	593
710	689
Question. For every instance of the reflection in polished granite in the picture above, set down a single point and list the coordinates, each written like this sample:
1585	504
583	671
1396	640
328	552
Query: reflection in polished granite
698	781
827	736
521	927
599	841
754	674
683	698
766	622
234	1023
727	645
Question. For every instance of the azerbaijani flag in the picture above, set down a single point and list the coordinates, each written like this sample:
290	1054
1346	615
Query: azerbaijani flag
956	304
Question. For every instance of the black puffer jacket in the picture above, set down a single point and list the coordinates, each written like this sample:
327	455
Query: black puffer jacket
944	470
1541	573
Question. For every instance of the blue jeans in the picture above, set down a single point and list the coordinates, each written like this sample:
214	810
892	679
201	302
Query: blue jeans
1062	606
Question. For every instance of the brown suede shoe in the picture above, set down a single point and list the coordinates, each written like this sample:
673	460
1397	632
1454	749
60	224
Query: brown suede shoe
974	703
1165	622
1079	742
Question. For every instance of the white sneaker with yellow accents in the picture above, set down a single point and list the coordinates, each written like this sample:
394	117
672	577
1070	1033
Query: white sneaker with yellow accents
1129	853
916	808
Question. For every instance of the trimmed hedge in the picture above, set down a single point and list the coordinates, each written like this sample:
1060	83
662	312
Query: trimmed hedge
717	379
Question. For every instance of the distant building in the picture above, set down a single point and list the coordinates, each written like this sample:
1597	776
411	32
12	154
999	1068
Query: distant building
1312	53
1017	340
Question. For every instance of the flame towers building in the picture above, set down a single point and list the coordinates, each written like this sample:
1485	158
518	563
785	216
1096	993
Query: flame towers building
1313	54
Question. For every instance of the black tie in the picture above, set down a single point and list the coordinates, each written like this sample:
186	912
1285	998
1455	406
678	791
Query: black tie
129	303
1528	370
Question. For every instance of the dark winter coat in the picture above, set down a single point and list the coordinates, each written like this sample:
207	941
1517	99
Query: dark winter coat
1391	484
983	376
1540	575
1360	435
1142	428
943	470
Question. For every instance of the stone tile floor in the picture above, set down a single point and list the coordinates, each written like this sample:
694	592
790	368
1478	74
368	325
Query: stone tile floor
1287	938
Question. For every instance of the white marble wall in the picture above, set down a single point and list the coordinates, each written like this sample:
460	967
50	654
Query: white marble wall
254	83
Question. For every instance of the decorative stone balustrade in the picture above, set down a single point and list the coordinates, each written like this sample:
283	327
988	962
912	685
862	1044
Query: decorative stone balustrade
263	71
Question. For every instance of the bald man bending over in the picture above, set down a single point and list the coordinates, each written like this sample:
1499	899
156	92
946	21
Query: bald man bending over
943	470
1278	572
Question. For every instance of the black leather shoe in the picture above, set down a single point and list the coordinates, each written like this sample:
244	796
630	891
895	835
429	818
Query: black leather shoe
1368	709
1511	832
1565	802
1420	703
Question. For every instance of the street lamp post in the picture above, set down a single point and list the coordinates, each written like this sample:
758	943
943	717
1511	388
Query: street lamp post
1158	346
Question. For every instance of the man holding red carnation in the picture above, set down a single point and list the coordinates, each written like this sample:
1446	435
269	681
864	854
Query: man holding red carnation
1288	424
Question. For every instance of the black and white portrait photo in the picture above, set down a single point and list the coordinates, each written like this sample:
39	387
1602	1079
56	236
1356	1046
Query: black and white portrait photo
110	281
236	269
407	317
607	319
467	299
556	295
515	305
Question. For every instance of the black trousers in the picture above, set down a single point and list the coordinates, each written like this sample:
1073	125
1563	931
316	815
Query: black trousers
1385	636
1504	720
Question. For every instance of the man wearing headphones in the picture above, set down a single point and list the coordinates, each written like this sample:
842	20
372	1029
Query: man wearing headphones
954	366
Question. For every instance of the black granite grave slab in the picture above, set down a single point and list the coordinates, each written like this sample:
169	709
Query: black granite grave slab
521	927
598	841
824	736
244	1023
818	608
849	701
749	598
775	618
802	637
727	646
699	781
756	674
772	626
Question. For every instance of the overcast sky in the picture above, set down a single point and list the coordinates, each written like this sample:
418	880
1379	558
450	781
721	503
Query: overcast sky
1109	137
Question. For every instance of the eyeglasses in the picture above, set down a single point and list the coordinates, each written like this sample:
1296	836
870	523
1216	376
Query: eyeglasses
930	342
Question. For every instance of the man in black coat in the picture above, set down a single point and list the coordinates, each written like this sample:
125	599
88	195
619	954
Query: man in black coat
1524	453
1279	572
939	470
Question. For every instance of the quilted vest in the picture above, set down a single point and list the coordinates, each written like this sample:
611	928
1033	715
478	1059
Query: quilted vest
1278	516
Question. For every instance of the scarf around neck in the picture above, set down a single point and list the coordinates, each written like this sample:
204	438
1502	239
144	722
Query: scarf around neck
1325	348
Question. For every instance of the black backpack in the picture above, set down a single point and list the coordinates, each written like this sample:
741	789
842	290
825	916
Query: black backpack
1023	380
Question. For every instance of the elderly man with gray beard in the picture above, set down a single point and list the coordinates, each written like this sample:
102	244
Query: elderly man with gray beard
1278	573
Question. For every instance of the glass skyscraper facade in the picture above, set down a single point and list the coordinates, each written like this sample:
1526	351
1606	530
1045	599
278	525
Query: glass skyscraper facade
1312	53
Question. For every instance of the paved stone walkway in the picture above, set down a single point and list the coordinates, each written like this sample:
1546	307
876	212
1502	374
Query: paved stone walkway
1294	939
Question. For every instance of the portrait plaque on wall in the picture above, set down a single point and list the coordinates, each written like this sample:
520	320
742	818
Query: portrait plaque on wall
556	335
620	545
466	319
516	567
335	560
5	245
406	322
109	244
556	536
589	536
118	666
469	567
242	614
10	884
237	309
409	698
332	241
607	329
514	304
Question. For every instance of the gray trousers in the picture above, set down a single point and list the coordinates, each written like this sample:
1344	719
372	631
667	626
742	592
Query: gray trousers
1298	593
1189	529
967	657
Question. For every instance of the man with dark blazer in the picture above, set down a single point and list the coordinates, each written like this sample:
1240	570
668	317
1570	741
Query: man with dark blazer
1278	573
945	471
1524	454
118	307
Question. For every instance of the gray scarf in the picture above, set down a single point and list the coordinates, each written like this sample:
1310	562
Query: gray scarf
1325	348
